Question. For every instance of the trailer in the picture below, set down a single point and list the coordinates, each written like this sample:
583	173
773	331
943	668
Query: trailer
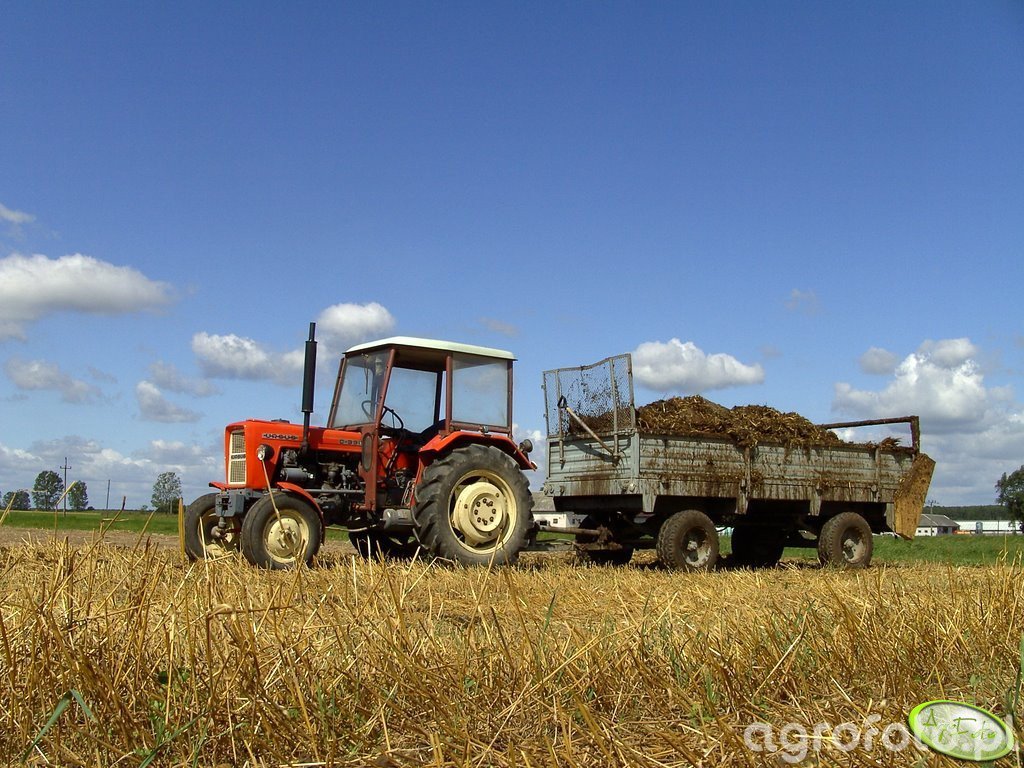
632	489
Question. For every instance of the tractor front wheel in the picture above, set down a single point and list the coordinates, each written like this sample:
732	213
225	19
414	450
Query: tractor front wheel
473	506
281	531
201	541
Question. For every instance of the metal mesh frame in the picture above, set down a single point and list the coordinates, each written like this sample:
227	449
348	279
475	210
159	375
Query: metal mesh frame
601	394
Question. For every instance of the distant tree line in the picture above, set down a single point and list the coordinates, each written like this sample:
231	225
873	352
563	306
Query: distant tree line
48	490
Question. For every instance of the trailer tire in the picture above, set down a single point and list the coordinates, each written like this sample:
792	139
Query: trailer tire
757	547
688	541
382	546
200	520
473	506
845	541
282	537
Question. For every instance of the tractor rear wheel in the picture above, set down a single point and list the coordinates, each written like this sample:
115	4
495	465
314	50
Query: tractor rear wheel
845	541
281	531
688	541
473	506
200	522
757	547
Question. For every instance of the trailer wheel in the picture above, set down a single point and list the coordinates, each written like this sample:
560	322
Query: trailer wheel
473	506
845	541
281	537
200	521
382	546
688	541
757	547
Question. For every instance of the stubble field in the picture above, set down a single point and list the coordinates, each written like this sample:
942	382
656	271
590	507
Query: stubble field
124	654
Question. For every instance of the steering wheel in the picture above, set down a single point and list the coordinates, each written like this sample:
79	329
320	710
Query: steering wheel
399	427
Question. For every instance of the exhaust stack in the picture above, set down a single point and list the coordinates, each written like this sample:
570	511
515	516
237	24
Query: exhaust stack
308	385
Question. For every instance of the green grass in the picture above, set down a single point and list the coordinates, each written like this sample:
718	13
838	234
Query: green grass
132	522
953	550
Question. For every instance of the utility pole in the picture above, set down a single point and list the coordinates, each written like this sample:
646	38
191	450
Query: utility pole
66	467
108	494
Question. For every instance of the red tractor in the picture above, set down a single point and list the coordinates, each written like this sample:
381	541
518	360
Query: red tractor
417	453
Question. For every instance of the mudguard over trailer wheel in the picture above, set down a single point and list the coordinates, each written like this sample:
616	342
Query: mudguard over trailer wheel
757	547
280	532
688	541
473	506
845	541
200	522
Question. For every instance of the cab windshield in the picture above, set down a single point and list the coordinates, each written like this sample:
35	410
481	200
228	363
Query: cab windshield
360	393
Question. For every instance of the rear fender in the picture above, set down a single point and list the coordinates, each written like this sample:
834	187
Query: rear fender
443	444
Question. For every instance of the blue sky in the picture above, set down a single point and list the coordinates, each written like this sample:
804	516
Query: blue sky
815	206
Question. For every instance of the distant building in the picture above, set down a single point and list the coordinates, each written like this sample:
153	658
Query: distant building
545	514
936	525
989	527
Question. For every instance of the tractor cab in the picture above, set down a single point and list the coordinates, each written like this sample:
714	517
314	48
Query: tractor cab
411	399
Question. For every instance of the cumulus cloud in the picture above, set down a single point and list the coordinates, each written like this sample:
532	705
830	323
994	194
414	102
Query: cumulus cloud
34	286
43	375
153	406
15	217
348	324
167	376
939	382
238	357
675	365
878	361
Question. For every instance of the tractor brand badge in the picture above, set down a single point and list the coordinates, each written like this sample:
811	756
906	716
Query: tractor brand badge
961	730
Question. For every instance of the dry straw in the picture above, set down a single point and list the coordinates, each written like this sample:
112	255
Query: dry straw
128	656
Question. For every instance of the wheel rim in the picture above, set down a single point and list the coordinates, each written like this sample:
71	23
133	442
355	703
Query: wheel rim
852	545
482	511
215	546
696	547
286	536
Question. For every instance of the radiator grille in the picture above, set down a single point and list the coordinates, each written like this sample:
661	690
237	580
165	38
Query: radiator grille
236	459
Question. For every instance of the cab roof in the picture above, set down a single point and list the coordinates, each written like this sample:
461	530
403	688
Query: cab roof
430	344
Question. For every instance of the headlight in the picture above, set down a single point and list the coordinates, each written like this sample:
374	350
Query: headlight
264	452
526	446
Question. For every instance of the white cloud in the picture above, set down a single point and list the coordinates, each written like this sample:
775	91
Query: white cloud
500	327
44	375
974	432
675	365
878	361
15	217
237	357
166	376
348	324
938	382
153	406
803	301
34	286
